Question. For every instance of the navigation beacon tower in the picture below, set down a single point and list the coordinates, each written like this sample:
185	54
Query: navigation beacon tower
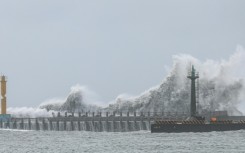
3	94
193	76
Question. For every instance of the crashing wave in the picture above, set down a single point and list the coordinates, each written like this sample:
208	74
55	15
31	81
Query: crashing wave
221	87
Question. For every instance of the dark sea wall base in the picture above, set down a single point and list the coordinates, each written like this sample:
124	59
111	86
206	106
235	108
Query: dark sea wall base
177	128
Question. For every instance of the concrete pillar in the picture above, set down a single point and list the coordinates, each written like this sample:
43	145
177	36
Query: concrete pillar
29	123
50	125
135	125
79	114
149	124
127	114
22	124
65	114
44	124
93	114
107	114
57	125
72	126
64	125
120	114
100	126
72	114
113	126
79	126
149	114
107	126
15	124
8	123
120	125
86	114
134	114
58	114
37	124
100	114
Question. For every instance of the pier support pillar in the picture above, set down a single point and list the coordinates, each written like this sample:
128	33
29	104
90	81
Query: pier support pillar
29	124
72	126
50	125
64	125
37	125
57	125
15	124
1	124
79	125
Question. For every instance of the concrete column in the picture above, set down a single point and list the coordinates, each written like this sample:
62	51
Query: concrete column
57	125
134	114
79	114
29	123
120	114
58	114
93	114
149	114
22	124
37	124
44	124
72	114
135	125
107	126
100	126
72	126
120	125
64	125
8	123
50	125
79	126
65	114
113	125
127	114
15	124
107	114
86	114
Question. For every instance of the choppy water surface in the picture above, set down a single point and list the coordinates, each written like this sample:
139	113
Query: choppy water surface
67	142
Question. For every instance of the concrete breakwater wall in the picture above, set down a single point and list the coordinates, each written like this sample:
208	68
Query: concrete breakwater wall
97	122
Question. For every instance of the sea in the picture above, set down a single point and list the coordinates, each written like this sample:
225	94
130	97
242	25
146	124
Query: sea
21	141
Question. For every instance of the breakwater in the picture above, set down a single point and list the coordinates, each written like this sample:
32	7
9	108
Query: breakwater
91	121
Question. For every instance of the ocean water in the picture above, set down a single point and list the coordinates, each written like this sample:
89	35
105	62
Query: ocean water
16	141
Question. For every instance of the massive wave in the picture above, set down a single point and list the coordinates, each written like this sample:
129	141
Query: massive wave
221	87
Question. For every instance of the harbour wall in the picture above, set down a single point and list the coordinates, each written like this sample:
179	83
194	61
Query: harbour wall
97	122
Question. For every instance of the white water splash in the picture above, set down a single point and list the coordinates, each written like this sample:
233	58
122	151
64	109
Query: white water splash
221	88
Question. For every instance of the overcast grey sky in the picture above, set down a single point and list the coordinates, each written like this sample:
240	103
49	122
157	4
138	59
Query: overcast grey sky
111	46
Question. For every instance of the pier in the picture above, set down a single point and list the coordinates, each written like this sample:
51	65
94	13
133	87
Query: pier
91	121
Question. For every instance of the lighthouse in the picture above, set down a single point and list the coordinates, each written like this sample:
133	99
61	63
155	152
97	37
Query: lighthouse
3	94
4	116
193	76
